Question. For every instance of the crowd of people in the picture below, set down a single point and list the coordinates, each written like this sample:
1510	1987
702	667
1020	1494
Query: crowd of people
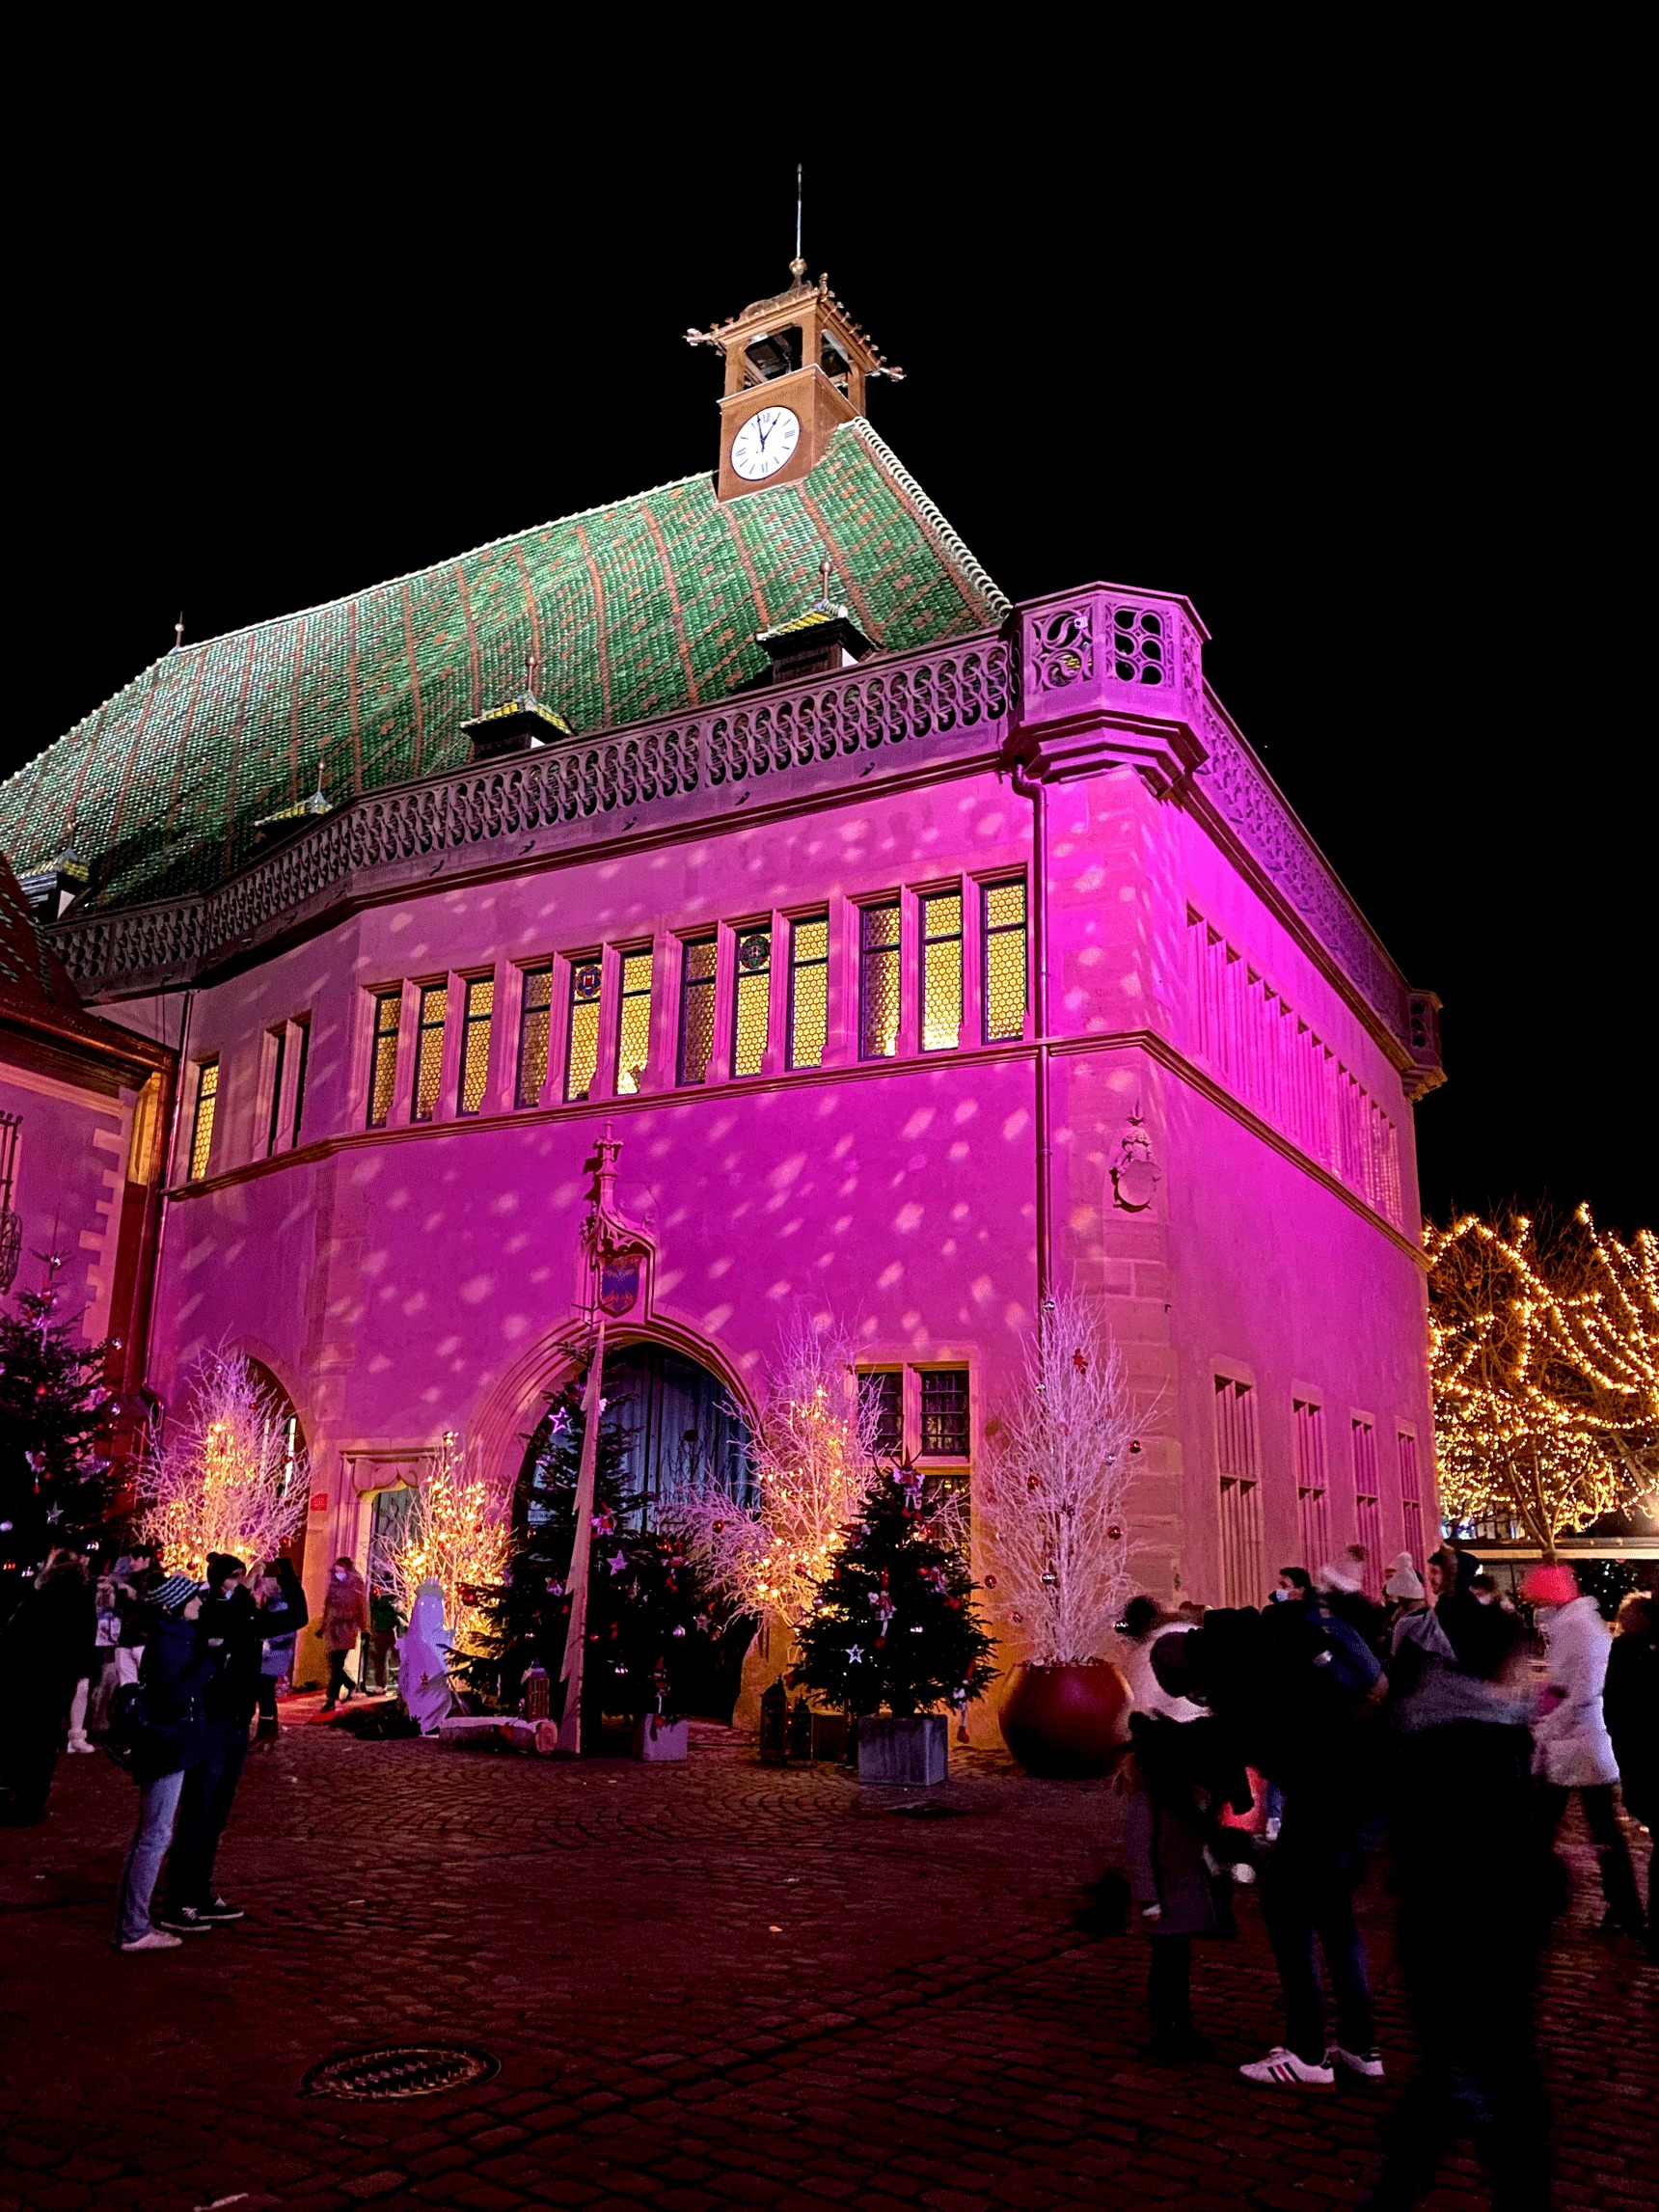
1286	1744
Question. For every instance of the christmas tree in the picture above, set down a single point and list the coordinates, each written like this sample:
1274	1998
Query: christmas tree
651	1623
53	1487
895	1623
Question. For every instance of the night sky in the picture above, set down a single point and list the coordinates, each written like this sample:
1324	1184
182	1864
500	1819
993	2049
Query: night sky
1366	396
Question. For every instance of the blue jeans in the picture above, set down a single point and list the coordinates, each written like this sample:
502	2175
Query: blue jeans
157	1811
1307	1894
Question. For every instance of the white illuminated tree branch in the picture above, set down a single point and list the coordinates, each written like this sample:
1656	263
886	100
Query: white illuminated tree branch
226	1479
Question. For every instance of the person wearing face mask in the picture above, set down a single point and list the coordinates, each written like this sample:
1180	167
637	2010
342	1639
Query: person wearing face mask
1572	1750
1292	1586
344	1618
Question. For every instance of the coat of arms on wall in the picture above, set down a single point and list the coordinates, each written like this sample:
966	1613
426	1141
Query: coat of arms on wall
1134	1172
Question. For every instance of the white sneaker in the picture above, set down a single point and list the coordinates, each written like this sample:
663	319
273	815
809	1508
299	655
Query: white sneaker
1366	2063
1243	1873
80	1743
154	1941
1283	2067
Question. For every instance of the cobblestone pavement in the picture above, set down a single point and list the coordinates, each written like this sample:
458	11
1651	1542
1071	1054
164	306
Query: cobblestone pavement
708	1986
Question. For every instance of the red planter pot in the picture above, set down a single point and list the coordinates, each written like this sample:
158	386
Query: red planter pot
1066	1721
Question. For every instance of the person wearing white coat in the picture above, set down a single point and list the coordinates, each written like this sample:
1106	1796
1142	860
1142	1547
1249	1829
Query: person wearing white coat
1572	1750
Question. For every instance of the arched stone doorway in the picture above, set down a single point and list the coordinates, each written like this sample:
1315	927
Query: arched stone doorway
294	1439
681	1434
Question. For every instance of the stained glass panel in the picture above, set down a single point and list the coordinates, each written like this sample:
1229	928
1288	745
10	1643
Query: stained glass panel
698	1008
536	1018
1004	933
582	1058
383	1075
202	1130
634	1022
430	1048
942	971
809	992
476	1042
879	981
751	1023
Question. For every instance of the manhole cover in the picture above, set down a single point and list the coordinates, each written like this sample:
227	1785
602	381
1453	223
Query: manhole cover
405	2070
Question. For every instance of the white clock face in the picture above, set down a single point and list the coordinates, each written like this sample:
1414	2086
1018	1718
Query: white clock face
765	442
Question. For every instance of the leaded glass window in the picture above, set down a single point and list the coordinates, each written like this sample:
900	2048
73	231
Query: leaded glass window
945	1413
697	1008
282	1042
300	1077
582	1054
881	1397
202	1128
1005	935
942	971
383	1066
429	1049
809	991
475	1041
879	981
751	1010
634	1022
535	1019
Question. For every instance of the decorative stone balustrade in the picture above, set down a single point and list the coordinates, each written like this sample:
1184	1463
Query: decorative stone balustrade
754	738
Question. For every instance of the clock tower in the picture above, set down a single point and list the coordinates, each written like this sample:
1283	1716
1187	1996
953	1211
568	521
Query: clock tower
795	367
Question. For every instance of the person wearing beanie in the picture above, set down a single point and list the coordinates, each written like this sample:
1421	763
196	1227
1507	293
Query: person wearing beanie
1402	1585
231	1634
173	1741
1572	1750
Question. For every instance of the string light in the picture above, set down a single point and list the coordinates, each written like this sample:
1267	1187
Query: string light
455	1536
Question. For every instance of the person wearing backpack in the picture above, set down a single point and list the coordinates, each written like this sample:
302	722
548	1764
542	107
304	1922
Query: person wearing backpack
156	1728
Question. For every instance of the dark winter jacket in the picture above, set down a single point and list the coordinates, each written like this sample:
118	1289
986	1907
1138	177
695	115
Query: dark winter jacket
174	1675
1630	1707
1166	1832
234	1630
47	1645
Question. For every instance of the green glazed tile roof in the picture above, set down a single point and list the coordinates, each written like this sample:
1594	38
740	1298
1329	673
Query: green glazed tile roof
639	609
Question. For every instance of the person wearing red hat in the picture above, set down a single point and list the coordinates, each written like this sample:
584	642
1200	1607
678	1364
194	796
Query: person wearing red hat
1572	1750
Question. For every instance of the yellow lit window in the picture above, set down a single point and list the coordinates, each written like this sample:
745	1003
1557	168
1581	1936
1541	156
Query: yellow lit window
809	991
535	1017
942	971
754	987
1004	941
475	1041
879	981
429	1049
582	1055
697	1008
383	1069
202	1128
634	1022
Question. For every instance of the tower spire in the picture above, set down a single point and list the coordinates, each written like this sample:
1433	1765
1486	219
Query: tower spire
798	268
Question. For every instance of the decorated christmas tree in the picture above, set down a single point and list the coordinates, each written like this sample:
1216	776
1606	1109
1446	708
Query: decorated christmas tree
650	1620
54	1488
896	1625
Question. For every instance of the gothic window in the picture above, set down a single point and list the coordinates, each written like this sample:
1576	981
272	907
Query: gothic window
475	1041
201	1126
1003	929
429	1049
1411	1497
882	1397
1367	1506
280	1038
942	971
809	991
1238	1468
383	1065
634	1022
582	1054
697	1007
536	1019
945	1413
879	981
1312	1506
752	988
305	1029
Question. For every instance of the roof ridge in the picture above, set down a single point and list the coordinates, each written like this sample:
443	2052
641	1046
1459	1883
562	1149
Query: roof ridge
955	543
345	598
